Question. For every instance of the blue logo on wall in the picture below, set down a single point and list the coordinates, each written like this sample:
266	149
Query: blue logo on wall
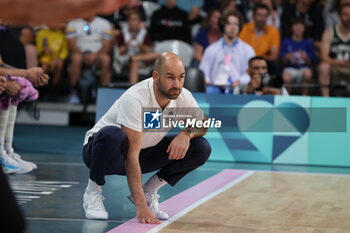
152	120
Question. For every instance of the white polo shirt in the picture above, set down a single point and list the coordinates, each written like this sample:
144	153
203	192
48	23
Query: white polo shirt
89	36
127	111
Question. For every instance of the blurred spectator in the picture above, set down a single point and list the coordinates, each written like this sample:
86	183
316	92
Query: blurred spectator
225	62
121	16
89	41
260	81
335	51
192	9
131	5
207	35
208	5
273	18
312	16
265	39
170	23
52	47
231	5
12	49
134	44
27	38
330	12
297	54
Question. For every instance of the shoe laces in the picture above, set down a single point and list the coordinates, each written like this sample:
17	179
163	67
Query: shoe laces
152	199
97	202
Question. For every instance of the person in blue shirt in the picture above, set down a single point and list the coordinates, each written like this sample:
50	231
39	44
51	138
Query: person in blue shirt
207	35
297	54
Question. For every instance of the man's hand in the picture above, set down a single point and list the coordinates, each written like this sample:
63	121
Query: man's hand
145	215
37	76
179	146
3	83
13	88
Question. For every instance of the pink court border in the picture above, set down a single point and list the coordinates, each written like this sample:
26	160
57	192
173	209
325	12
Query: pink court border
174	205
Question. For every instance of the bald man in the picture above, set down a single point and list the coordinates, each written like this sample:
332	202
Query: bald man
119	143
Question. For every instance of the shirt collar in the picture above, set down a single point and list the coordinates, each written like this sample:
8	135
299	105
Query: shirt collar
223	44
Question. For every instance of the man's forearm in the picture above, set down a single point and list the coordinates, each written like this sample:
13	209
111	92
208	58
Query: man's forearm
193	132
134	177
13	71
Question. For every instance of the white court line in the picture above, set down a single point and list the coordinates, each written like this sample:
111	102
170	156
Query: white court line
198	203
72	219
62	163
305	173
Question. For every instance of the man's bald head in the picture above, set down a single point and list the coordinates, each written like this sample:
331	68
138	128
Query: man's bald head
165	57
169	75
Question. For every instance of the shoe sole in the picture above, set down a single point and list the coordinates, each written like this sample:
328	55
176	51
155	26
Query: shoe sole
93	218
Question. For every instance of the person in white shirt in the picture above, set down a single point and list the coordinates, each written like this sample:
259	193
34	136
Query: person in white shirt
90	42
225	62
119	143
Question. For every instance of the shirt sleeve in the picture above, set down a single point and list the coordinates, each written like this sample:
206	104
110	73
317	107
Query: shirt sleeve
245	78
129	113
64	49
107	30
39	41
71	30
147	41
206	64
244	34
200	37
283	48
275	38
310	50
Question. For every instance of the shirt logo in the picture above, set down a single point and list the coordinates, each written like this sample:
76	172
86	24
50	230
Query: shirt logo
152	119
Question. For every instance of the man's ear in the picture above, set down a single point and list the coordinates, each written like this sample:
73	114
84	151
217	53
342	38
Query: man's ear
155	76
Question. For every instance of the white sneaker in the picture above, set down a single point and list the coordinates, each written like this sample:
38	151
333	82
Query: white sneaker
19	160
153	204
93	206
23	168
8	168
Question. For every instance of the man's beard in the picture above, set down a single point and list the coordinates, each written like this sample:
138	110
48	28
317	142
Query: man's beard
167	94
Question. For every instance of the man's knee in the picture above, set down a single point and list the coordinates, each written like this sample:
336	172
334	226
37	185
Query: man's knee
104	60
110	135
202	149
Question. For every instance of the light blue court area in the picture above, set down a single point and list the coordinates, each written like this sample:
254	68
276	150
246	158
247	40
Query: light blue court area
51	197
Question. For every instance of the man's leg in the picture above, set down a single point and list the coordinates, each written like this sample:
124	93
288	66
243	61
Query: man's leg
171	171
103	155
324	70
104	62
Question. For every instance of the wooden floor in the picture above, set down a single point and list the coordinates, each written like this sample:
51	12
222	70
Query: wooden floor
274	202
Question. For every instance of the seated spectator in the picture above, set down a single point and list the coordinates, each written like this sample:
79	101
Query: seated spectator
273	18
330	12
297	54
225	62
134	46
265	39
192	9
132	5
170	23
233	5
309	11
335	52
89	41
260	81
52	47
18	89
27	38
207	35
